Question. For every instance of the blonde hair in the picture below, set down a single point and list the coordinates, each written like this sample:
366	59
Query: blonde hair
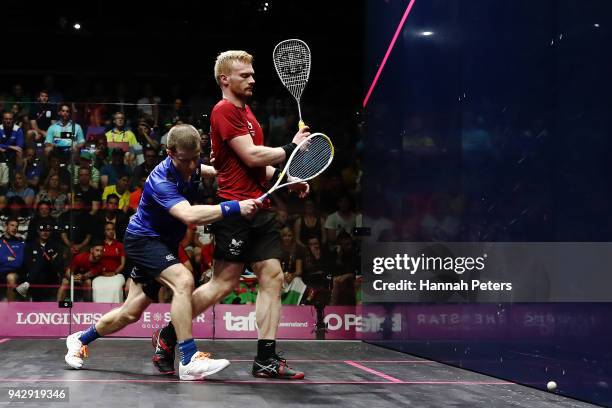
184	137
225	60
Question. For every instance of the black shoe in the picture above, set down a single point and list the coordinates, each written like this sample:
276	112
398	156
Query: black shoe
164	354
275	367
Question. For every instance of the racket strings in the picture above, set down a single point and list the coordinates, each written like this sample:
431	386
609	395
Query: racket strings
311	159
292	62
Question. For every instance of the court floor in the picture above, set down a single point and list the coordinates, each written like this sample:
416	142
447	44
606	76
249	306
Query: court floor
340	374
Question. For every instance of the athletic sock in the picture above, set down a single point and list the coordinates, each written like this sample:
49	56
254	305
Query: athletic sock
168	334
265	349
188	349
89	335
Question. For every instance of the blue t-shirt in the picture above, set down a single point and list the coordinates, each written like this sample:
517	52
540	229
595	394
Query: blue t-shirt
163	189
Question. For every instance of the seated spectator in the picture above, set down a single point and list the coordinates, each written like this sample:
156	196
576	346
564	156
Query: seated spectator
84	187
83	268
64	135
11	257
20	189
110	213
342	220
11	141
101	156
43	266
120	134
109	173
85	161
120	190
135	195
108	286
316	271
291	262
16	209
32	168
42	216
57	165
310	224
144	169
75	228
146	138
42	116
345	268
51	192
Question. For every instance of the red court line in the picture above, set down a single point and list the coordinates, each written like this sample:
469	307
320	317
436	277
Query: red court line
264	382
4	340
372	371
384	60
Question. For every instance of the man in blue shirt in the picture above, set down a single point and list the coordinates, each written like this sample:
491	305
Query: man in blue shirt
151	245
11	257
64	134
11	139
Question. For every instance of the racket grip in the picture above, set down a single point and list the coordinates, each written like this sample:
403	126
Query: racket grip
301	124
263	197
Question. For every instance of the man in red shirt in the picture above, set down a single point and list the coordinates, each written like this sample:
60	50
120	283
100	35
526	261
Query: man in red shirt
243	167
83	268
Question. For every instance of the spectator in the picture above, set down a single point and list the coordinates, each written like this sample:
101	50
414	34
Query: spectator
309	225
108	173
108	286
21	189
57	166
64	134
316	267
84	188
31	167
291	263
11	257
51	192
145	168
342	220
11	141
42	116
120	190
175	113
346	267
101	154
41	217
136	195
119	133
43	266
85	162
75	227
17	97
16	209
111	213
83	268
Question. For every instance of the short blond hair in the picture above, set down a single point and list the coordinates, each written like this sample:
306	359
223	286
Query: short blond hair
184	137
225	60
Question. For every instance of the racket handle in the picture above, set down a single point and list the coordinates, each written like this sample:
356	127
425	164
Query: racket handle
301	124
263	197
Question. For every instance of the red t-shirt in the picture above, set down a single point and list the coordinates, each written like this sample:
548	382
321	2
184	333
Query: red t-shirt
111	256
81	264
235	179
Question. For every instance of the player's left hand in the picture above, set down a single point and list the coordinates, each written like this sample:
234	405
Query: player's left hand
302	189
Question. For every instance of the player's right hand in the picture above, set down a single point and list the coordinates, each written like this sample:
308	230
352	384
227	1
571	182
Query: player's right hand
302	134
248	208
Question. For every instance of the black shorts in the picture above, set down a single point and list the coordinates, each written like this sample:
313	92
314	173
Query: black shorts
240	240
149	256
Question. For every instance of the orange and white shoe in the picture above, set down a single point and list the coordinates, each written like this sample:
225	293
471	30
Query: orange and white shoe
200	366
76	351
